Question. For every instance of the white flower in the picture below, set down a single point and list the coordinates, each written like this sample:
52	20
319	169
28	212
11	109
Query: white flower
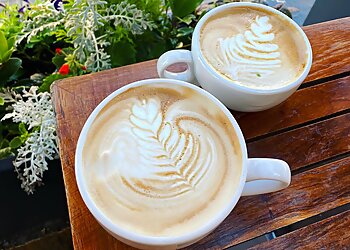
35	111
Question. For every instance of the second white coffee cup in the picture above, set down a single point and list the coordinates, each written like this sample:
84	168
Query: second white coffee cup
234	96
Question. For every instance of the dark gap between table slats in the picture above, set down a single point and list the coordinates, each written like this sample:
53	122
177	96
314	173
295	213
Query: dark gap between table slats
290	228
321	163
250	243
330	233
312	220
312	83
261	137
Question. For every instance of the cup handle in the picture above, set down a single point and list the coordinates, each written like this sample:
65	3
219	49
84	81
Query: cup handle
176	56
266	175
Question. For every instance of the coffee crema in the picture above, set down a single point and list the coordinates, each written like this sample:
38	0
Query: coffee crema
161	160
253	47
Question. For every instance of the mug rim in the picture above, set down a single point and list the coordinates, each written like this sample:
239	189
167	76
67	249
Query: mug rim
242	88
195	235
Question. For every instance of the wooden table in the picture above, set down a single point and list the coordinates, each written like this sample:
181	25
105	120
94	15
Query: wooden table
311	131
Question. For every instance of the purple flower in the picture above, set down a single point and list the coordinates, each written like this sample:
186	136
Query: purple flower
25	6
57	4
21	10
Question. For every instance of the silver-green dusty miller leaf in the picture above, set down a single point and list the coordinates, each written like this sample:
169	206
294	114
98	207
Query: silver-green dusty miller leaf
82	23
44	16
129	17
87	17
35	111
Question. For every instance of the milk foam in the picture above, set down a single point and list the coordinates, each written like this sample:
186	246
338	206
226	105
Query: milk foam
253	48
159	165
250	54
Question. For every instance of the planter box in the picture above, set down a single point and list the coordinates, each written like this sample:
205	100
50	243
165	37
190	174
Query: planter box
24	217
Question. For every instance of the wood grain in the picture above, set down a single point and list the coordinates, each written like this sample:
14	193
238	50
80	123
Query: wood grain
75	98
331	233
330	44
304	106
306	145
310	193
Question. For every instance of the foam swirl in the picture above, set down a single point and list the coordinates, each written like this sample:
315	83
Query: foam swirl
173	156
251	55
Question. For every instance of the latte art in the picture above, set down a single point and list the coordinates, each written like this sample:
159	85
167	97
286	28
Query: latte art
253	48
252	54
160	160
176	160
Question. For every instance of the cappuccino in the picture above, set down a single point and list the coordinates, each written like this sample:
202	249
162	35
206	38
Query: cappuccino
161	160
253	47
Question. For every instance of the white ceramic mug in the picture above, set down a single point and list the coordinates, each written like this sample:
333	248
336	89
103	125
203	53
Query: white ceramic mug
259	175
234	96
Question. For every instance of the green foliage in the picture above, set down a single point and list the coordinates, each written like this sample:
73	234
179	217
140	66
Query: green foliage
12	131
22	129
150	45
3	47
59	59
6	152
181	8
8	69
184	31
10	23
6	47
122	53
45	86
15	142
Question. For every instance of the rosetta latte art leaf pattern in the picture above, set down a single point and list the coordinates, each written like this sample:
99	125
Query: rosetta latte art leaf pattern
174	157
250	55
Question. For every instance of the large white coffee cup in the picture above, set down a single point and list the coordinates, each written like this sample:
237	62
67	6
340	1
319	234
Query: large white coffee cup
234	96
258	176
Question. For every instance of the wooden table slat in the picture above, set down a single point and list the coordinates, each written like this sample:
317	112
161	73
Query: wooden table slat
310	193
330	44
331	233
304	106
306	145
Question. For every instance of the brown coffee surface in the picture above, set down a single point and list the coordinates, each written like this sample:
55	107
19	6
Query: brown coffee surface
161	160
253	47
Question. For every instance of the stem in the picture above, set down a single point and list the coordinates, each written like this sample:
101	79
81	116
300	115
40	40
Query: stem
96	48
130	19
